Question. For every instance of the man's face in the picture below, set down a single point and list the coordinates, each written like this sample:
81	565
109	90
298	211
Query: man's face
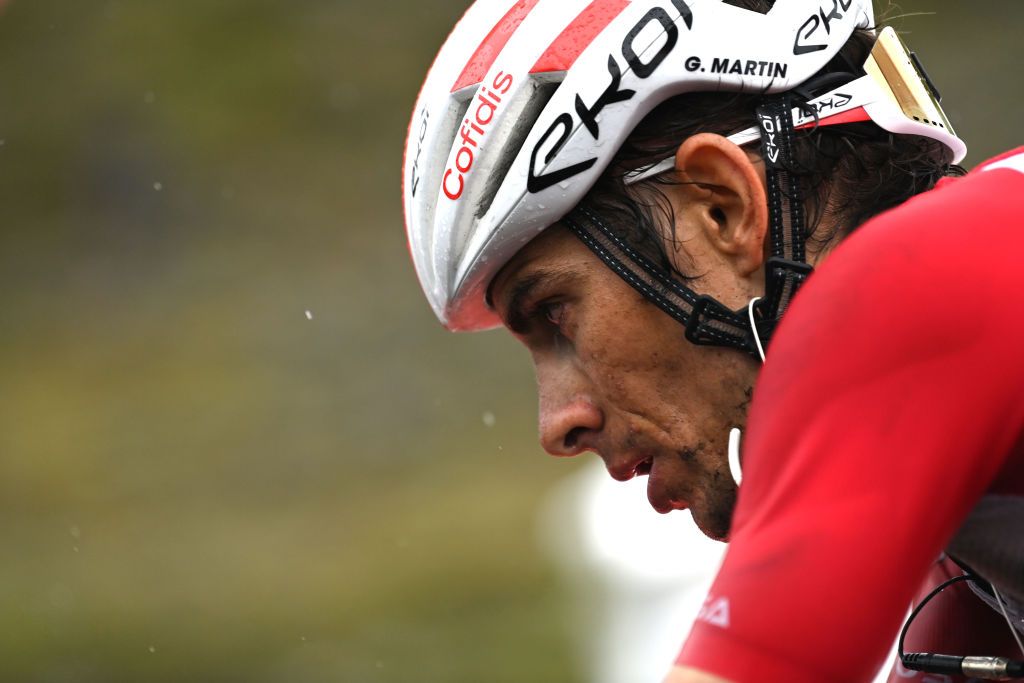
616	376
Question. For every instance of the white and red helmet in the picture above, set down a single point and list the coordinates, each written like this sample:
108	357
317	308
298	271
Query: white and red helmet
529	100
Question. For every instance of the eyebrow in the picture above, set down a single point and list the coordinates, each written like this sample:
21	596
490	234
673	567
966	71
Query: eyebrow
516	317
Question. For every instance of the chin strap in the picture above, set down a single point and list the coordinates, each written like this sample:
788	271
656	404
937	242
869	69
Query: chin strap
708	321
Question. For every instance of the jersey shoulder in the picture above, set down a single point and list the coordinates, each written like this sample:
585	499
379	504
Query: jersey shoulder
956	208
935	280
959	242
1012	160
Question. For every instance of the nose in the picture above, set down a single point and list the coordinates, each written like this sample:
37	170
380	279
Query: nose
569	419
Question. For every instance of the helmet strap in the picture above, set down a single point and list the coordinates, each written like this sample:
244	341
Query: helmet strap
708	321
786	268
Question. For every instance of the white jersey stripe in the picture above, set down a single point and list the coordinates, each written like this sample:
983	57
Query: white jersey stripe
1014	163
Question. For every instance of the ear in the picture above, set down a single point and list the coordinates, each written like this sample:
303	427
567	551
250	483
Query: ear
732	206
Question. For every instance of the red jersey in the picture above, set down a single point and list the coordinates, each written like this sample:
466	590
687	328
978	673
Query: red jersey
891	402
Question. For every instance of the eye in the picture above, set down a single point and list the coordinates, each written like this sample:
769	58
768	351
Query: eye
552	311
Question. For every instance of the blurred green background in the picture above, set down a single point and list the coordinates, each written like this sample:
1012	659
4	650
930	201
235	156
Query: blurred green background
197	481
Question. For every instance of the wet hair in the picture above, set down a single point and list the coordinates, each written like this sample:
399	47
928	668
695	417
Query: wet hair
849	172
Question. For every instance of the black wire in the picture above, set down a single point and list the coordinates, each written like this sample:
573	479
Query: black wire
942	586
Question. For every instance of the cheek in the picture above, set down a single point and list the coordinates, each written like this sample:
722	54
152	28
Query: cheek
635	356
640	363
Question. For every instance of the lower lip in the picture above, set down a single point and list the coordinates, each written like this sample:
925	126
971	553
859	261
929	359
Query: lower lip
660	501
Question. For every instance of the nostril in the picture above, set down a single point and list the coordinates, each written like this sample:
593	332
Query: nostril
572	437
567	425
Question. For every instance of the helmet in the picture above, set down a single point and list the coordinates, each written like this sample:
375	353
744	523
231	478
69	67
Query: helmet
528	101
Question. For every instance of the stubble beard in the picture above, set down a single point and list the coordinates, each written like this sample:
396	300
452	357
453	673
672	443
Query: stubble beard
713	514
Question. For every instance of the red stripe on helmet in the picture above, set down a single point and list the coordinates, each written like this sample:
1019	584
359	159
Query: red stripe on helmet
578	35
853	116
488	51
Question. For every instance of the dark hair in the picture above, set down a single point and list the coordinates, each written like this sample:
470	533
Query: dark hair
848	172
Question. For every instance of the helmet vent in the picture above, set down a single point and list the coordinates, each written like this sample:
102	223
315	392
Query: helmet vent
529	107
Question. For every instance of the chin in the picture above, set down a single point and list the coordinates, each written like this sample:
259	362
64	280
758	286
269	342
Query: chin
715	531
714	517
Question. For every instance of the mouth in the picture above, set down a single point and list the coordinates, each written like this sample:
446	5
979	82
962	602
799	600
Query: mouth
658	484
635	467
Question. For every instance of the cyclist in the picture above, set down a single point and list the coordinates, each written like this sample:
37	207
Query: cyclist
640	191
